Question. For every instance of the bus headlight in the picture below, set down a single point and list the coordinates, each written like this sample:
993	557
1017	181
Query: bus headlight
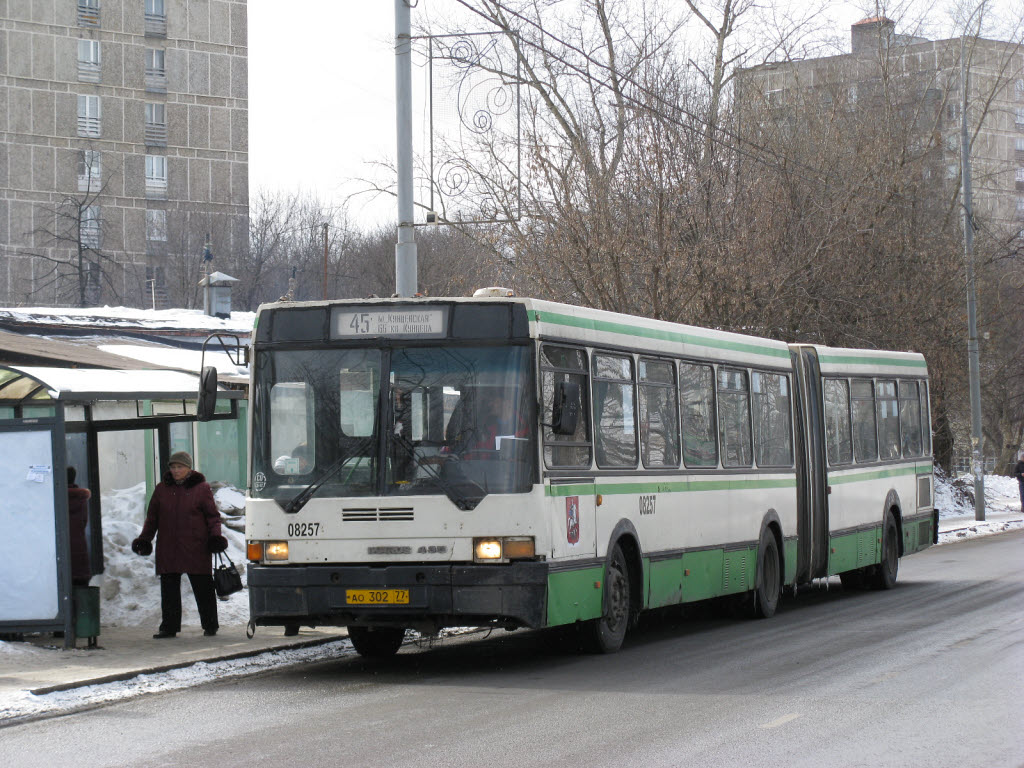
503	549
276	550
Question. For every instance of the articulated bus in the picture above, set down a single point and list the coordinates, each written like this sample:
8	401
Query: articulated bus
498	461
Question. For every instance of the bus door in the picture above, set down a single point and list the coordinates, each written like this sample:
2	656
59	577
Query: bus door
571	507
812	494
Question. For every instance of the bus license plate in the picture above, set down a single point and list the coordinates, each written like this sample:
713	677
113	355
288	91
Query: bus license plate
377	596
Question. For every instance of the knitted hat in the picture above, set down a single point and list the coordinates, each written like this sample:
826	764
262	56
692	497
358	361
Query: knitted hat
181	457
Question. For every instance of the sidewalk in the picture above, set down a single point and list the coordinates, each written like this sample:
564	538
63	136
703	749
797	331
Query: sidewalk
40	666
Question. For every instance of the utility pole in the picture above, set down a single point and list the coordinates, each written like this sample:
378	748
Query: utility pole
405	250
977	466
325	261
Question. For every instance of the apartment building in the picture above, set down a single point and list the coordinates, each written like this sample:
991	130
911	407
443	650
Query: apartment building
123	147
928	74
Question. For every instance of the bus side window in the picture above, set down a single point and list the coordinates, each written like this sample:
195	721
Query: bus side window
773	436
865	443
886	408
838	437
565	364
926	421
659	419
734	418
614	415
697	403
910	418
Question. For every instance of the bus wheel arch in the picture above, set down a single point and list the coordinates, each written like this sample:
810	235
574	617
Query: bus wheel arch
622	592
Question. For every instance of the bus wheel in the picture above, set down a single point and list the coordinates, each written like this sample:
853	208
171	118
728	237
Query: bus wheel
852	580
884	576
605	635
376	642
769	582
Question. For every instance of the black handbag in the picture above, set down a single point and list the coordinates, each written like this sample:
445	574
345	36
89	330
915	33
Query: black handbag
226	578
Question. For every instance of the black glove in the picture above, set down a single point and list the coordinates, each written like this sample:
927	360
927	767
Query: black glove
217	544
142	547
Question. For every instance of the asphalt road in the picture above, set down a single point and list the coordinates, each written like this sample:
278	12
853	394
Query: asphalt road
928	674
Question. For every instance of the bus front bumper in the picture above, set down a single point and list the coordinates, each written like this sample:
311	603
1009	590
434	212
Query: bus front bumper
512	594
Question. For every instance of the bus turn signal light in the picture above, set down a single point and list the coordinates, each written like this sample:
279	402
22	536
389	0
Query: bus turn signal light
519	548
254	551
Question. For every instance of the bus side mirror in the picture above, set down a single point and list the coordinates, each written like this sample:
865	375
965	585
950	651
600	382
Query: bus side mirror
565	408
207	402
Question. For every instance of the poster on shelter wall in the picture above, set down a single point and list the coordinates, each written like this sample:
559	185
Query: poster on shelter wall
28	533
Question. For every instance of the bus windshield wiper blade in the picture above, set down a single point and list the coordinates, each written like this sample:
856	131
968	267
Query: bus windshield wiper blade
464	501
310	490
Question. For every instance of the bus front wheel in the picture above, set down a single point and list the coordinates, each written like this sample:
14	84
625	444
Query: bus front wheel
884	576
376	642
605	635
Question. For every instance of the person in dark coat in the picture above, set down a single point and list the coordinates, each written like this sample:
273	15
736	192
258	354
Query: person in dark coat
78	518
1018	472
185	520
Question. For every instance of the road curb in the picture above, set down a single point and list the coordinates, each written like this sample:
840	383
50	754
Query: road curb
121	676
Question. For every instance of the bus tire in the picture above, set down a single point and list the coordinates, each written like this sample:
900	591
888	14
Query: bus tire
884	575
605	635
852	580
769	577
376	642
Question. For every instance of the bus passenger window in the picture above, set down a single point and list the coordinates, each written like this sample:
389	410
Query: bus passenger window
659	420
773	436
565	364
614	417
910	418
837	421
865	443
697	403
734	418
888	420
926	421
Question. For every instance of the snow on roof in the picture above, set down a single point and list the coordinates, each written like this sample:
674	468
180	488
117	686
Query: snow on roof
128	317
77	384
171	357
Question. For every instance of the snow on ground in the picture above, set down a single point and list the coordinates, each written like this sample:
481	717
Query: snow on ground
130	317
954	498
129	587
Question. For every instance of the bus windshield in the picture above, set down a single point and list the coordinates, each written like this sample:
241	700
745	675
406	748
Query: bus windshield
458	421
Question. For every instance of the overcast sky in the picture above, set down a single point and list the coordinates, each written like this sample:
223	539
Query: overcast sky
321	94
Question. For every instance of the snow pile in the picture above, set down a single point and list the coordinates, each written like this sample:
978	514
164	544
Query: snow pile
129	587
954	498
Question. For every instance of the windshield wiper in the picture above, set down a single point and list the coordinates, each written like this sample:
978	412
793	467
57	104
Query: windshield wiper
467	501
310	490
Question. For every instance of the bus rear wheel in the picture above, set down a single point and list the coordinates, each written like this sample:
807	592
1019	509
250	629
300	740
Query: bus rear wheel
376	642
769	581
884	576
605	635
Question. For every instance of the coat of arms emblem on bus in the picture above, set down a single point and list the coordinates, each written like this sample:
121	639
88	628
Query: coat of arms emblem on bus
572	519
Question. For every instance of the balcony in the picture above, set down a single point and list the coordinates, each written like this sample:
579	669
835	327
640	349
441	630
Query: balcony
156	80
155	25
89	126
88	13
88	71
156	134
156	189
89	234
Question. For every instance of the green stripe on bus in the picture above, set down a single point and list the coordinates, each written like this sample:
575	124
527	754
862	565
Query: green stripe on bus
591	324
685	486
877	474
871	361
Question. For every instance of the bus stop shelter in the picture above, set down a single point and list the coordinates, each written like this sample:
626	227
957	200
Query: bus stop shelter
39	409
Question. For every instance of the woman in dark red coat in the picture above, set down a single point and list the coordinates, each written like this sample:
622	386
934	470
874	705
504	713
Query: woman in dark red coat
78	519
185	520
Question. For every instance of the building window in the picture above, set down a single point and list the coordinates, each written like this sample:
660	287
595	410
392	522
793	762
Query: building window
156	124
89	116
1020	209
156	176
89	172
1019	147
89	227
1020	118
88	13
1018	89
156	225
156	19
89	61
156	73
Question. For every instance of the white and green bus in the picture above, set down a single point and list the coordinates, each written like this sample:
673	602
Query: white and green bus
628	464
